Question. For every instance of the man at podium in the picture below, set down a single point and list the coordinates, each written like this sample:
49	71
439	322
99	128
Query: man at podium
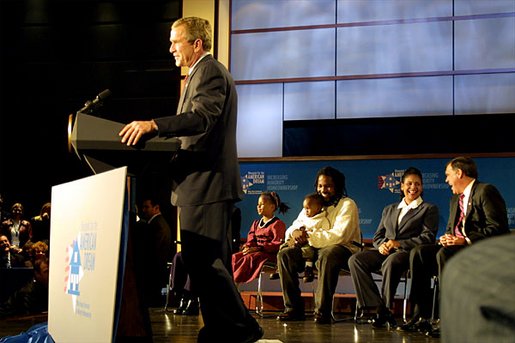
205	179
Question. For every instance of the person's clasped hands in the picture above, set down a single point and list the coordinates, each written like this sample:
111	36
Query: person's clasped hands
299	237
250	249
448	239
388	247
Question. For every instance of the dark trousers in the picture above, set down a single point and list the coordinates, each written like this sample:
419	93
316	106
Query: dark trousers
391	267
208	262
329	262
426	261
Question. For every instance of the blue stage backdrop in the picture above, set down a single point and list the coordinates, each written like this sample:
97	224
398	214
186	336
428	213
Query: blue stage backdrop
372	183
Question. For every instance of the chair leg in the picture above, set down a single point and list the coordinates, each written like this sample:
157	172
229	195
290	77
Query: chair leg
405	301
168	290
435	298
260	303
259	296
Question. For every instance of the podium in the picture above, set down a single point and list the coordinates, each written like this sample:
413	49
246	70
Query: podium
95	141
95	289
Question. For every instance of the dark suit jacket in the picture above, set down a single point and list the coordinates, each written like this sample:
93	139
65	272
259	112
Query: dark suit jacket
418	226
486	213
205	169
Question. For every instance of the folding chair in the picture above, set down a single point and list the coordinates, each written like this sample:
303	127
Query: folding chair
267	268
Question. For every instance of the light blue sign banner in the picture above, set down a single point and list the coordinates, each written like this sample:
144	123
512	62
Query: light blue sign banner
372	183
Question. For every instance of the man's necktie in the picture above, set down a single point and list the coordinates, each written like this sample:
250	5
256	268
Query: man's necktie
459	224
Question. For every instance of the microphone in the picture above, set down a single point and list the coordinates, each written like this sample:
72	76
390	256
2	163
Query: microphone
90	106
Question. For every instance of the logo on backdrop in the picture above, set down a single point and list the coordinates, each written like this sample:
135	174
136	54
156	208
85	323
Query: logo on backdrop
391	181
255	182
80	260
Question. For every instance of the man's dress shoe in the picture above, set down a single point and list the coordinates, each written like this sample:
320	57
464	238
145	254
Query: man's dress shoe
321	318
417	325
291	316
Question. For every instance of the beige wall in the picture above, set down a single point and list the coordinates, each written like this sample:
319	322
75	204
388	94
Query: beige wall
206	9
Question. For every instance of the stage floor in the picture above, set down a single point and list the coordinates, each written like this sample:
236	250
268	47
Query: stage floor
171	328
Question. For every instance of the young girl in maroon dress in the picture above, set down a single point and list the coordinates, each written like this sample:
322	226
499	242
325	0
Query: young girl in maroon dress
263	241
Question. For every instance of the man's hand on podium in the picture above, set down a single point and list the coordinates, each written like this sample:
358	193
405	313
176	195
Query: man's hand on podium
132	132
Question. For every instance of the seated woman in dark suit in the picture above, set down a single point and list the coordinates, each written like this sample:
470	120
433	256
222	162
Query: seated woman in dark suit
404	225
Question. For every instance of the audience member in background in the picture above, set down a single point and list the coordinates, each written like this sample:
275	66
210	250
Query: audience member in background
3	214
477	211
180	287
265	236
32	251
33	297
403	225
26	252
17	229
9	258
41	224
156	248
334	247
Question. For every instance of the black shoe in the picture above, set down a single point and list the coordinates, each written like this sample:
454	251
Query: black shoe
192	309
323	318
183	303
274	276
363	316
417	325
309	276
383	318
291	316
